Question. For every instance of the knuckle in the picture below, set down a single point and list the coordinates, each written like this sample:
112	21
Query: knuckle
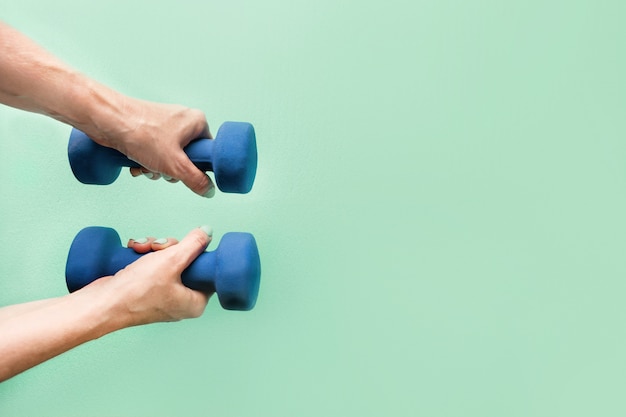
199	182
197	311
200	238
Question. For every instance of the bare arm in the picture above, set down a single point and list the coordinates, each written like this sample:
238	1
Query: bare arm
147	291
10	311
42	333
34	80
152	134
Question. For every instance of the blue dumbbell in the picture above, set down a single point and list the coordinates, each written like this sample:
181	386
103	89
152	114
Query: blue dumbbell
232	156
233	270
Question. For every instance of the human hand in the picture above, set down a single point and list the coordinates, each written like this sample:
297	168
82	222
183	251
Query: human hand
147	291
154	135
150	289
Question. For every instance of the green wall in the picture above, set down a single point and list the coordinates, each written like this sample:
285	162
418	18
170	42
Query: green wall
439	208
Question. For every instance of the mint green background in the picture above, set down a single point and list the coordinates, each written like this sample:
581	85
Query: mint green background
439	207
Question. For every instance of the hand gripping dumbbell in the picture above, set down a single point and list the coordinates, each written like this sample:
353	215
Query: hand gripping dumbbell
233	270
232	156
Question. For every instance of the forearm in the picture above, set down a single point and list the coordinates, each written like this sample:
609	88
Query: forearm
147	291
56	326
32	79
17	309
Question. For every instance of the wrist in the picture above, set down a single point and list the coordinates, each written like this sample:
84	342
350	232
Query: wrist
105	115
106	309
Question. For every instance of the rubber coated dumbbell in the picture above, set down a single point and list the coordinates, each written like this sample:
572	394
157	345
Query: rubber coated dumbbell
232	156
233	270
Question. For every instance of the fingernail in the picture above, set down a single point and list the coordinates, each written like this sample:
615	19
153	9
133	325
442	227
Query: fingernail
149	174
161	241
207	229
210	192
141	240
166	177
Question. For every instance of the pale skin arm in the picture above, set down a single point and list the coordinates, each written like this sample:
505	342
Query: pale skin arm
144	245
147	291
152	134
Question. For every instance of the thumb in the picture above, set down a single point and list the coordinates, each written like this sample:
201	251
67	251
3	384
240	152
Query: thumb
196	180
192	245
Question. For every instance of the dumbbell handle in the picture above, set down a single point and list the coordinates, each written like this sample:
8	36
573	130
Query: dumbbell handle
199	151
200	275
